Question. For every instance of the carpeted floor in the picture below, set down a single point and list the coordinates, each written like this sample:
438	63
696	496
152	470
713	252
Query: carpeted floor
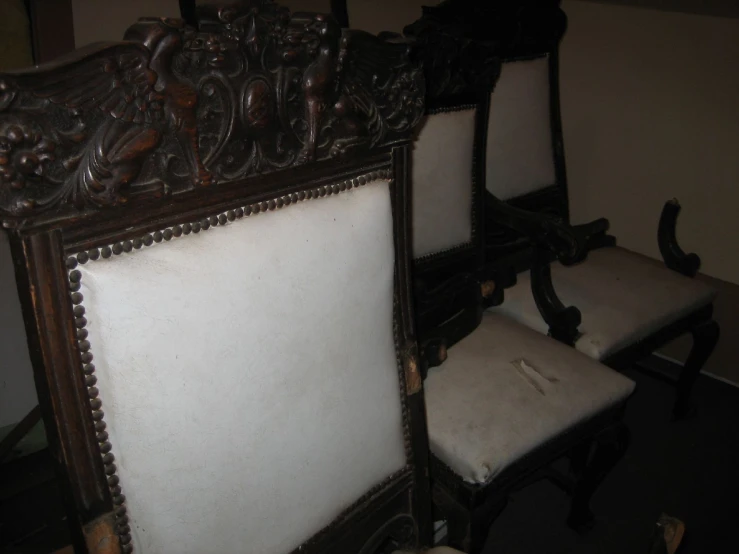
688	469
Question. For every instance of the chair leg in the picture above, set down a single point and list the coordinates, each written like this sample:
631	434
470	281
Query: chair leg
458	518
609	448
467	528
705	337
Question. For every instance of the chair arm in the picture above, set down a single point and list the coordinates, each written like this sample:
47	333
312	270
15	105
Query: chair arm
563	321
674	256
596	233
567	243
446	312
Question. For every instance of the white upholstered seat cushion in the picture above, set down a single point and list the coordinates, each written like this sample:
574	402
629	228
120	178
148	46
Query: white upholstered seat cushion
506	390
623	297
441	173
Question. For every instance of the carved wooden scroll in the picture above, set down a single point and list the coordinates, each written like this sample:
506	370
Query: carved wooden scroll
253	89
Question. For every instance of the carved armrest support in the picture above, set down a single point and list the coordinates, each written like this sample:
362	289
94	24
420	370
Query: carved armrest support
595	233
433	354
567	243
674	256
563	321
446	312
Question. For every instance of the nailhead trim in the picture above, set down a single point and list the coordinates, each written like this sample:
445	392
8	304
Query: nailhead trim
88	369
221	219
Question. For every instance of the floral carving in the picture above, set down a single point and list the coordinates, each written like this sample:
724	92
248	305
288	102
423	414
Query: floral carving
251	90
23	156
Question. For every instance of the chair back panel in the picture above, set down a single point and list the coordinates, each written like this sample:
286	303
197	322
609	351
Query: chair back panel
520	156
244	386
442	180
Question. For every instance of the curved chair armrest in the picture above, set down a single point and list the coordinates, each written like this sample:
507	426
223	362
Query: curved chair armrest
563	321
674	256
569	244
596	233
446	312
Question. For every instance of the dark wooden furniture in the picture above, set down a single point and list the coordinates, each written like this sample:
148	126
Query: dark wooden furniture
185	209
615	306
496	402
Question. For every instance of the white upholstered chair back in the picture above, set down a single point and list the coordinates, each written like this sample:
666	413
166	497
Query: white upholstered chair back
443	181
248	371
519	151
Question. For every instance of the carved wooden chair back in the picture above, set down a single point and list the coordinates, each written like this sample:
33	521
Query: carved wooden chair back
447	185
524	152
211	239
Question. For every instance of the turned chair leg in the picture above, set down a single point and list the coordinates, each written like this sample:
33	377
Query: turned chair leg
705	337
592	465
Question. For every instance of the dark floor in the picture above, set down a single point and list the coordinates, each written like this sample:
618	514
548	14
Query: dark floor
688	469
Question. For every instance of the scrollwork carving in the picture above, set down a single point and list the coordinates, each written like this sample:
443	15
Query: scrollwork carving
251	90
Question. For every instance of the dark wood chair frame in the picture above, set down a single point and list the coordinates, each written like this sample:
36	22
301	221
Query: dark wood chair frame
58	217
537	231
594	447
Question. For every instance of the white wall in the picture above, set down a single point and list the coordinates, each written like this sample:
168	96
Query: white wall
650	110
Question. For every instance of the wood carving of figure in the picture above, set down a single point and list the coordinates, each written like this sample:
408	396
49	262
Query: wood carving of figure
248	90
163	39
125	93
319	37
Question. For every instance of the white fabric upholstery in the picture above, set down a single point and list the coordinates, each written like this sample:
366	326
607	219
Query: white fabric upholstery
248	374
623	297
520	158
506	390
442	182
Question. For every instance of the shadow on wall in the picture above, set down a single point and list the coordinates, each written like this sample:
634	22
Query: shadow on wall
17	389
15	36
650	111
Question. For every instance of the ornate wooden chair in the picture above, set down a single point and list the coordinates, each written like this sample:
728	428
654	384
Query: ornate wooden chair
616	306
505	402
210	233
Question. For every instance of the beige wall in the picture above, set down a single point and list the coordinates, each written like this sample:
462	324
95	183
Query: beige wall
101	20
650	109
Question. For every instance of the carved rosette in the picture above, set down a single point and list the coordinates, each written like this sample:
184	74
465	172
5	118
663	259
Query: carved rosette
253	89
